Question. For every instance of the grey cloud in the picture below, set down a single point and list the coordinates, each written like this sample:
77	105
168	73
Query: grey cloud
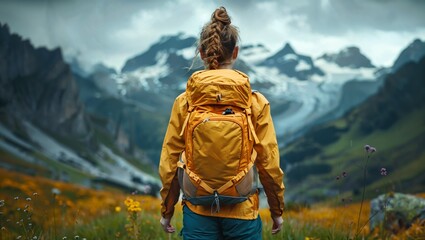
106	29
352	15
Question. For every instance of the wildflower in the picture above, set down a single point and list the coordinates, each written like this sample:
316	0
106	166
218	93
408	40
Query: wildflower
117	209
337	177
76	237
35	194
369	149
3	228
344	174
384	172
64	238
132	206
19	237
16	198
28	199
128	201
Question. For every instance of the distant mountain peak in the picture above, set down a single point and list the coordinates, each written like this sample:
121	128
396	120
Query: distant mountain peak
350	57
166	44
287	49
414	52
292	64
179	40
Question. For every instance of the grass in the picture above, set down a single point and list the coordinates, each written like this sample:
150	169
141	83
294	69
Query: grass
399	149
46	209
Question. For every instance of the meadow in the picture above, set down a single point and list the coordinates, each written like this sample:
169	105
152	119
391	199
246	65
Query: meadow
33	207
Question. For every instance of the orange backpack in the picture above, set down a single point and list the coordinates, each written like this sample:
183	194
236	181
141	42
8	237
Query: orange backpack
217	165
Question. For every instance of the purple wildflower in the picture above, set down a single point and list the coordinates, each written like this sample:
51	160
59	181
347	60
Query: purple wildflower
366	148
344	174
369	149
384	172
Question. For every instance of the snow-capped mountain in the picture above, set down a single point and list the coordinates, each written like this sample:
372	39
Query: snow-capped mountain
350	57
300	89
254	53
164	64
291	64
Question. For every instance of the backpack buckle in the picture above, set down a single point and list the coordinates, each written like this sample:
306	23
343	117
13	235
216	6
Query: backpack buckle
215	203
228	111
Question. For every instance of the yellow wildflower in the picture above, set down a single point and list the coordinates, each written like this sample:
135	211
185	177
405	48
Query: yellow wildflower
132	206
117	209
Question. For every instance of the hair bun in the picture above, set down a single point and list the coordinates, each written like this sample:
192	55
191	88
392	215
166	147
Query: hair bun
220	14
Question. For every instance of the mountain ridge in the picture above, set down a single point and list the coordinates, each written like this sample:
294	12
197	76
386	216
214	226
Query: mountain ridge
391	124
44	124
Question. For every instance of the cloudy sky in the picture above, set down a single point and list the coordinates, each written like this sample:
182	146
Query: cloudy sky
111	31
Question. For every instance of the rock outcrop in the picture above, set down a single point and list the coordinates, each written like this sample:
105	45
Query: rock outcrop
396	211
36	85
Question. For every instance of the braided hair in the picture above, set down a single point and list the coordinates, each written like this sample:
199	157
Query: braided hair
218	39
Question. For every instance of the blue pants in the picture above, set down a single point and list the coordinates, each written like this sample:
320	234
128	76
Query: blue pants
198	227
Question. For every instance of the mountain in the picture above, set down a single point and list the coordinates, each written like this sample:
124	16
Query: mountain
166	61
392	120
46	129
413	52
294	65
168	47
155	78
36	84
254	53
350	57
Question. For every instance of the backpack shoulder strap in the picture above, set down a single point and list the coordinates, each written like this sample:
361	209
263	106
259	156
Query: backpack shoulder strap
251	131
248	112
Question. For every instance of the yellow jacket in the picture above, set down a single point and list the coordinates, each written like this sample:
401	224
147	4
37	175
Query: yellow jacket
267	162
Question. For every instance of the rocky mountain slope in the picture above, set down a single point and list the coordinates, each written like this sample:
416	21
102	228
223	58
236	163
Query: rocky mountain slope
45	128
329	158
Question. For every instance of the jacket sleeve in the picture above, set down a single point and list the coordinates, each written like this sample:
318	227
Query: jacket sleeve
172	146
268	159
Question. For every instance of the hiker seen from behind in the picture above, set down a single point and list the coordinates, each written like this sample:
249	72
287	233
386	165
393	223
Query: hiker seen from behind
219	146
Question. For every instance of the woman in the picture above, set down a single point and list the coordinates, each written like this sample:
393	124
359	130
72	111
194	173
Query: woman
218	49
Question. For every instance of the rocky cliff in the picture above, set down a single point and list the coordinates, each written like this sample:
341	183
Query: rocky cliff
38	86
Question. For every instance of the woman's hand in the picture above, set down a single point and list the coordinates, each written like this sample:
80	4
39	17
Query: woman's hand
165	223
277	224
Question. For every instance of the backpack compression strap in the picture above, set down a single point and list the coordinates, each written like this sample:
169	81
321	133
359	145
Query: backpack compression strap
209	189
251	131
189	111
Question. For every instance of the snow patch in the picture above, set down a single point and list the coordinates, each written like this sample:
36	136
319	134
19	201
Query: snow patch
302	65
289	57
187	53
54	150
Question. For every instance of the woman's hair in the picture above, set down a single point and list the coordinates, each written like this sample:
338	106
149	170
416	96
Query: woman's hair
218	39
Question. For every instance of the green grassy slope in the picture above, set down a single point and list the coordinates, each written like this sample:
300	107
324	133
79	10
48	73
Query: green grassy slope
393	121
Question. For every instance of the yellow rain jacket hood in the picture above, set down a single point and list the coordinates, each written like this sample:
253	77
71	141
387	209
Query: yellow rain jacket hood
265	151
